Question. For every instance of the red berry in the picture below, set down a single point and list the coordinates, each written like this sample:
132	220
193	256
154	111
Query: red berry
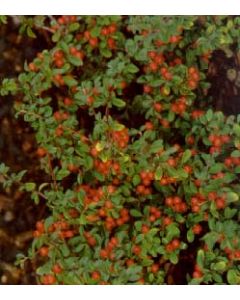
158	107
152	54
145	229
154	268
41	152
95	275
197	229
147	89
220	203
103	253
43	251
93	42
68	101
167	221
175	243
136	250
197	274
48	279
149	126
57	269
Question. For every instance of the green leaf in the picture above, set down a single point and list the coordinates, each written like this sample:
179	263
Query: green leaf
136	180
138	225
45	269
172	231
215	168
200	258
82	220
131	47
30	33
30	186
118	102
190	236
76	61
56	36
174	258
186	155
229	212
135	213
117	126
62	173
156	146
106	52
73	27
35	197
3	168
70	81
219	266
232	197
210	239
217	277
236	129
134	272
48	221
131	68
209	115
8	86
232	277
64	249
235	153
158	173
3	19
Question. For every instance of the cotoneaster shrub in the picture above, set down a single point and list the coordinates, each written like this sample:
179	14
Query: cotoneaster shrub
142	169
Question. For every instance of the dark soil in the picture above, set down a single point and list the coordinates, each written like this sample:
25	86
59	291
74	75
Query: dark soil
18	213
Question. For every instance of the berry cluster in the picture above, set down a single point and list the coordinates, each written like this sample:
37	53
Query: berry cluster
176	203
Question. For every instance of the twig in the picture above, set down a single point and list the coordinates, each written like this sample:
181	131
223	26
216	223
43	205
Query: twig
52	173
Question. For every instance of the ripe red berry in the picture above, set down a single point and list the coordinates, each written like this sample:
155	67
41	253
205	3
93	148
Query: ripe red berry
152	54
48	279
175	243
197	229
188	169
112	28
153	67
41	152
32	67
192	84
145	229
136	250
105	31
103	253
158	107
57	269
93	42
169	247
172	162
154	268
149	126
147	89
68	101
152	218
40	226
96	276
130	262
167	221
220	203
43	251
197	274
212	196
111	43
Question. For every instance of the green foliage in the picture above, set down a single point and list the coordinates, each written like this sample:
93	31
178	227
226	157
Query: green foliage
139	173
